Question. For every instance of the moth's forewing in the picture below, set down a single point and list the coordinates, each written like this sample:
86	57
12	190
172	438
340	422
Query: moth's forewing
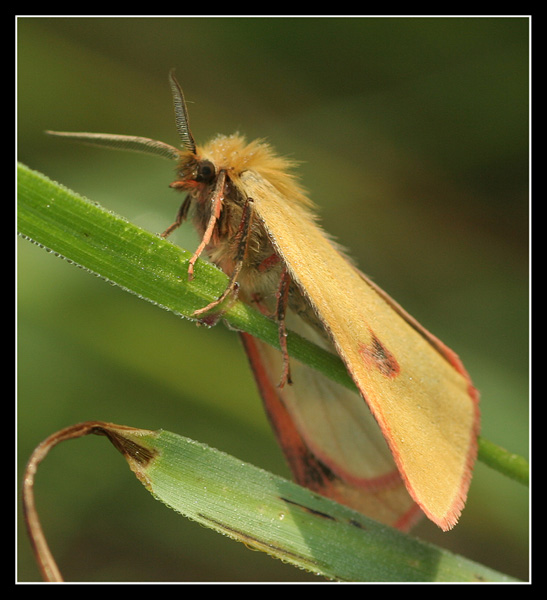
424	404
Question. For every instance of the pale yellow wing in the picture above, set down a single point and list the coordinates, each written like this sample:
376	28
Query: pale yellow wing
418	393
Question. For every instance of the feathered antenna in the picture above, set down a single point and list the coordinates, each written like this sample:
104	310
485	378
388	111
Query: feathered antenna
122	142
142	144
181	114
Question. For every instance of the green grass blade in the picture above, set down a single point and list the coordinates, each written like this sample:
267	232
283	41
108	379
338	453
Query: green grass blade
282	518
514	466
265	512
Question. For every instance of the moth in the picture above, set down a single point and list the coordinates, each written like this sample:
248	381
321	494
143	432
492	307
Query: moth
406	445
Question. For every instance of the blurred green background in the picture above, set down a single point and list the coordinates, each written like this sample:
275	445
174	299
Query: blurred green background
413	137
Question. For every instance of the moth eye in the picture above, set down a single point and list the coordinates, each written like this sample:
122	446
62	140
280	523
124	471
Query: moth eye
206	171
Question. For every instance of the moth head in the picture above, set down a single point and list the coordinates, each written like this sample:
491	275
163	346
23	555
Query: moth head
193	172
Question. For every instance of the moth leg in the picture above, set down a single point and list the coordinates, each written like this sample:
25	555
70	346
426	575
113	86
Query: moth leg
216	208
268	263
180	218
242	237
281	308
